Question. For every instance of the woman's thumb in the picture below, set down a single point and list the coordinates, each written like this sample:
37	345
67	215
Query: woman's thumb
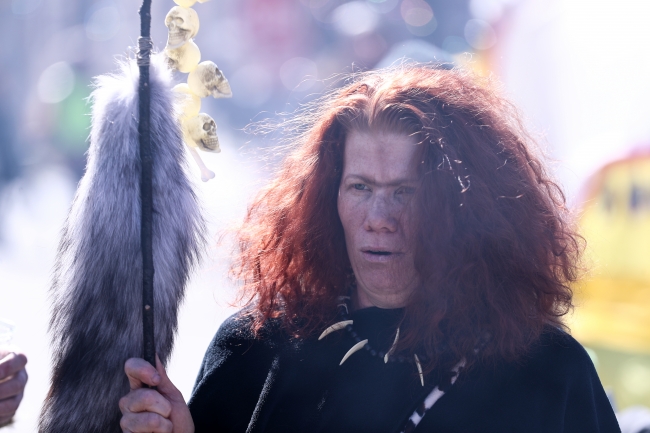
165	386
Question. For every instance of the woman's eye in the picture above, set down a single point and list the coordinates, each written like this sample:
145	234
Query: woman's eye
359	186
405	190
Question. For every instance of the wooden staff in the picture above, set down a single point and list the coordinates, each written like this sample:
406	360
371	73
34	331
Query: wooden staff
145	46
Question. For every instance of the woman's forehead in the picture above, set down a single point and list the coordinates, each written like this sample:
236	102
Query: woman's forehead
381	156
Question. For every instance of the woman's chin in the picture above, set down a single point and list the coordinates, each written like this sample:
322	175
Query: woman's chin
381	294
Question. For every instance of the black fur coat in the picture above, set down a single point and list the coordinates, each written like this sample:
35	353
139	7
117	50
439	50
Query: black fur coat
279	384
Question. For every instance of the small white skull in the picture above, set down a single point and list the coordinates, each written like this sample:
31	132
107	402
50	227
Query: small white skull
185	58
183	25
187	103
203	131
207	79
185	3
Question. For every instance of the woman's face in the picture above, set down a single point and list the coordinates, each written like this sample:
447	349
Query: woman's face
374	203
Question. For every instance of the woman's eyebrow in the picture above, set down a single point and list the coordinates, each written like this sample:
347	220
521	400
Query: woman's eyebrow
370	181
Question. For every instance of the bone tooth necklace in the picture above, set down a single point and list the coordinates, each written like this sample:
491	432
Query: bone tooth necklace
354	348
417	363
335	327
347	323
392	348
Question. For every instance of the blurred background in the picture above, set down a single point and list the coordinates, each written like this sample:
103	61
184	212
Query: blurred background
579	70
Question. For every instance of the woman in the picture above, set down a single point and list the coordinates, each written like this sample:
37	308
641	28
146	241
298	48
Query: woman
407	269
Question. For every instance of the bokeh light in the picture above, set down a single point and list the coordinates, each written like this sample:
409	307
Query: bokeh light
416	12
383	6
355	18
102	22
635	377
480	34
56	83
487	10
418	16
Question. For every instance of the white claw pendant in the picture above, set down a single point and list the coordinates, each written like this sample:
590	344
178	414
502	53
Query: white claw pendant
335	327
392	348
354	348
417	363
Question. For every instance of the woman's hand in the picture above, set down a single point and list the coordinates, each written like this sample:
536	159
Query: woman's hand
13	378
144	410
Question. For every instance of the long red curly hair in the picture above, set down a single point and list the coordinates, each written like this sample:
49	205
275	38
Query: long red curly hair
496	252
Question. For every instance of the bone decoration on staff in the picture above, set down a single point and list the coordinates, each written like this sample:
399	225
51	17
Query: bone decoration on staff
182	24
204	79
190	104
202	131
208	80
188	3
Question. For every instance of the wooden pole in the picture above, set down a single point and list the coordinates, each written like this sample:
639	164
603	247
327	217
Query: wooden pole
144	92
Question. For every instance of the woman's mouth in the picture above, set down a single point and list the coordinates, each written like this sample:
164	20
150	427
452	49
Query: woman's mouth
378	255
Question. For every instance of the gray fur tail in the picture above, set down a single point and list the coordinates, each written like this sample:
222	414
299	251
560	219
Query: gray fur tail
96	322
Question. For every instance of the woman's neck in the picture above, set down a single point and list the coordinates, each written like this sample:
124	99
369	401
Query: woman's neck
363	299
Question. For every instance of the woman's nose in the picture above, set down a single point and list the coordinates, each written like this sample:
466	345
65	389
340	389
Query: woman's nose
381	215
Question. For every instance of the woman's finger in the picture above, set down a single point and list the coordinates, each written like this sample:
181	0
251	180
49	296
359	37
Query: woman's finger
145	400
8	406
145	422
140	372
166	387
11	364
13	386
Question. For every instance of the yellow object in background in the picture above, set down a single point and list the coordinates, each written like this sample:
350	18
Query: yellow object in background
612	316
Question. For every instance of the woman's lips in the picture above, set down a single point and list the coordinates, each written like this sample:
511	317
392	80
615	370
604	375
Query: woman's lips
378	255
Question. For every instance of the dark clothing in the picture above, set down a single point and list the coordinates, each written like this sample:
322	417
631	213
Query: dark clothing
280	384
